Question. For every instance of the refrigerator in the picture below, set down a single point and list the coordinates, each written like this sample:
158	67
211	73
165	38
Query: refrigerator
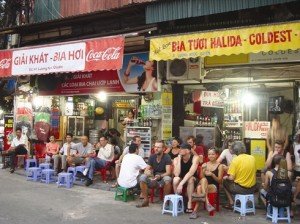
211	135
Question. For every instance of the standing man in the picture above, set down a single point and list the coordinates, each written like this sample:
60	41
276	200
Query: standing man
160	163
19	146
130	168
84	150
104	157
242	174
185	173
65	152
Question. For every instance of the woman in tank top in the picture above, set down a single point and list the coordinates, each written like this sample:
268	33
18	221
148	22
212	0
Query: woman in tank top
173	151
211	177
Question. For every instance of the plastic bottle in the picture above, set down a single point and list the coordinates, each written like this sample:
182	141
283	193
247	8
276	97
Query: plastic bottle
215	120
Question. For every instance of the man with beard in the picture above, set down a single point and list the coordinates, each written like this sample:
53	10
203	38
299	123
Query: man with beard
160	165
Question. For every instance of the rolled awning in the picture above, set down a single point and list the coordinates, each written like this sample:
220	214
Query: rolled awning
79	56
274	37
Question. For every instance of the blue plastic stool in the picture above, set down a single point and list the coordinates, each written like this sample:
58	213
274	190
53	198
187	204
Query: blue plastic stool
30	163
278	214
79	169
72	170
175	204
45	166
47	176
33	173
65	180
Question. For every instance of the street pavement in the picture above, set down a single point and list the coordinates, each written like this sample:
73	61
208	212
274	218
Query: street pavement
26	202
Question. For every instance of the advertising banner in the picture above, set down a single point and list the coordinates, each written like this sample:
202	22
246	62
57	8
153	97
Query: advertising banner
139	74
258	150
8	130
256	129
226	42
86	55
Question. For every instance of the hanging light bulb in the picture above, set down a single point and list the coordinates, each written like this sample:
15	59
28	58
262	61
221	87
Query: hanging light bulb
248	98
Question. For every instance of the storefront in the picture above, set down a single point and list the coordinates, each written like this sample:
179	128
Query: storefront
242	77
85	88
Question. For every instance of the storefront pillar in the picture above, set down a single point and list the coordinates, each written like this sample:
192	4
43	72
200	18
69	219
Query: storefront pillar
178	108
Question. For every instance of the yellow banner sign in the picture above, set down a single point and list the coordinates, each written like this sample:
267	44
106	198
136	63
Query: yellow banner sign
227	42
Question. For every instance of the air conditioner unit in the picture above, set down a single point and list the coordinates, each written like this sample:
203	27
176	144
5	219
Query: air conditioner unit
185	69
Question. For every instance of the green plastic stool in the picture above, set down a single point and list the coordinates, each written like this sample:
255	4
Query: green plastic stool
123	194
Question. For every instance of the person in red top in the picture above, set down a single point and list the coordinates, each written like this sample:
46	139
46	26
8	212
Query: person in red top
52	148
195	150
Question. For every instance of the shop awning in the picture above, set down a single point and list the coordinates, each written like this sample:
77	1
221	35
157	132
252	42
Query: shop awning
274	37
79	56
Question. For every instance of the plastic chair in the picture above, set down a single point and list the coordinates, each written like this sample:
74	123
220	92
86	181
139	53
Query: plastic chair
47	176
243	208
173	203
45	166
33	173
65	180
278	214
123	194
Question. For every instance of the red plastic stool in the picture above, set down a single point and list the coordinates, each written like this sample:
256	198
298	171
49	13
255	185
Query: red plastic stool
213	199
152	194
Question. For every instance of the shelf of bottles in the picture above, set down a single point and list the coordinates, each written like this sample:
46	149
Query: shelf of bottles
206	120
233	114
147	113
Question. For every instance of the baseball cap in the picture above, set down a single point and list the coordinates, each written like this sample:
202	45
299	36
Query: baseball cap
185	146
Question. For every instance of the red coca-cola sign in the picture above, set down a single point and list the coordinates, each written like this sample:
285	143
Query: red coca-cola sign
79	56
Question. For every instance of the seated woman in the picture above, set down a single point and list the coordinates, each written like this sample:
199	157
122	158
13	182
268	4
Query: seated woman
173	151
268	178
211	177
52	148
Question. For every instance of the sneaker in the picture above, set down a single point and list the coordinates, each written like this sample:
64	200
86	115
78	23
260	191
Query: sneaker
81	176
12	170
193	215
88	182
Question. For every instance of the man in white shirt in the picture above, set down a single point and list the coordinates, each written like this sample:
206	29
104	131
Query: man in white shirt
19	146
104	157
227	154
131	165
136	140
65	152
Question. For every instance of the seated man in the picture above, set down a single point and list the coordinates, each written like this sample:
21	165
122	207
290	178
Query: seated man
84	150
19	146
105	156
160	163
136	140
195	150
185	173
226	154
65	152
242	174
131	165
278	150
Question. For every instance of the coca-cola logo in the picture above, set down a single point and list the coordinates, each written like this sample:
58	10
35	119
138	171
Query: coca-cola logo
111	53
5	63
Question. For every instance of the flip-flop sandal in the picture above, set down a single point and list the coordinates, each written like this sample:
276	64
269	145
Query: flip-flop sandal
228	206
194	195
188	210
193	215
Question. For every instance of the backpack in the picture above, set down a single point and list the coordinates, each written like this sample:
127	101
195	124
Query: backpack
280	192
